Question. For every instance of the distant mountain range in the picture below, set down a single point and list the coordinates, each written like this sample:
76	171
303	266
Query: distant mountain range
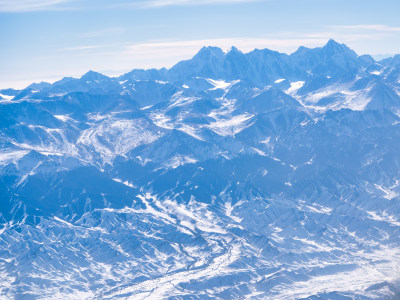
231	175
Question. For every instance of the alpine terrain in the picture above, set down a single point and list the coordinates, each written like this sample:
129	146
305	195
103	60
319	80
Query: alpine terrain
231	175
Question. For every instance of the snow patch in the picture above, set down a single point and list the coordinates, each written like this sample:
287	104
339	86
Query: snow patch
294	87
219	84
389	194
230	127
180	160
259	152
11	156
127	183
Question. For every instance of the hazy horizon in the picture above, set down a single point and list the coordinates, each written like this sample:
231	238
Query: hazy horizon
48	40
115	73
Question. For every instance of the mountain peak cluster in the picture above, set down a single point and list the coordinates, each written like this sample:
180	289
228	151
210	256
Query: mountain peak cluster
230	175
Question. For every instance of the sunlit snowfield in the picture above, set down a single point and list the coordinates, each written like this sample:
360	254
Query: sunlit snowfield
231	175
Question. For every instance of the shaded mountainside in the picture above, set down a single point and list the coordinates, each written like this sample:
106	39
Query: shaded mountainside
230	175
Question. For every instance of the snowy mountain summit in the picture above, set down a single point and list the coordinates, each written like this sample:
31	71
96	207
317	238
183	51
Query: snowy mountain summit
231	175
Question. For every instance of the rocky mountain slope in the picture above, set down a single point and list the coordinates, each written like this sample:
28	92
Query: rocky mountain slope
231	175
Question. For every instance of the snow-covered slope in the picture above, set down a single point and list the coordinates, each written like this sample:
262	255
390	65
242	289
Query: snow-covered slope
231	175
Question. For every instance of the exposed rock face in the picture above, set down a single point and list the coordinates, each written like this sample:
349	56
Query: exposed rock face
230	175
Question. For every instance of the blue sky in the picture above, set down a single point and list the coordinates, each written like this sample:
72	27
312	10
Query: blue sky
50	39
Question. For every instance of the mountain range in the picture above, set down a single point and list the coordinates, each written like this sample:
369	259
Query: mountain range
230	175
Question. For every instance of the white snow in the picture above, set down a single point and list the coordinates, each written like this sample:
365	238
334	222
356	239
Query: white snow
64	118
266	141
194	217
315	208
70	225
180	160
219	84
162	287
294	87
146	107
161	82
376	72
229	209
231	126
7	157
388	192
384	217
30	173
113	137
5	98
344	97
259	152
127	183
356	280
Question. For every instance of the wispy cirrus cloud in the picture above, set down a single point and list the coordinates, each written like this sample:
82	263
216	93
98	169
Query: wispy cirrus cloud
167	53
39	5
164	3
103	32
118	58
367	27
30	5
82	48
246	44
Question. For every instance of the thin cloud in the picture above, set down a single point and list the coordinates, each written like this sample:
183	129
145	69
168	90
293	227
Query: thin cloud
85	47
30	5
245	44
167	53
163	3
368	27
104	32
40	5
